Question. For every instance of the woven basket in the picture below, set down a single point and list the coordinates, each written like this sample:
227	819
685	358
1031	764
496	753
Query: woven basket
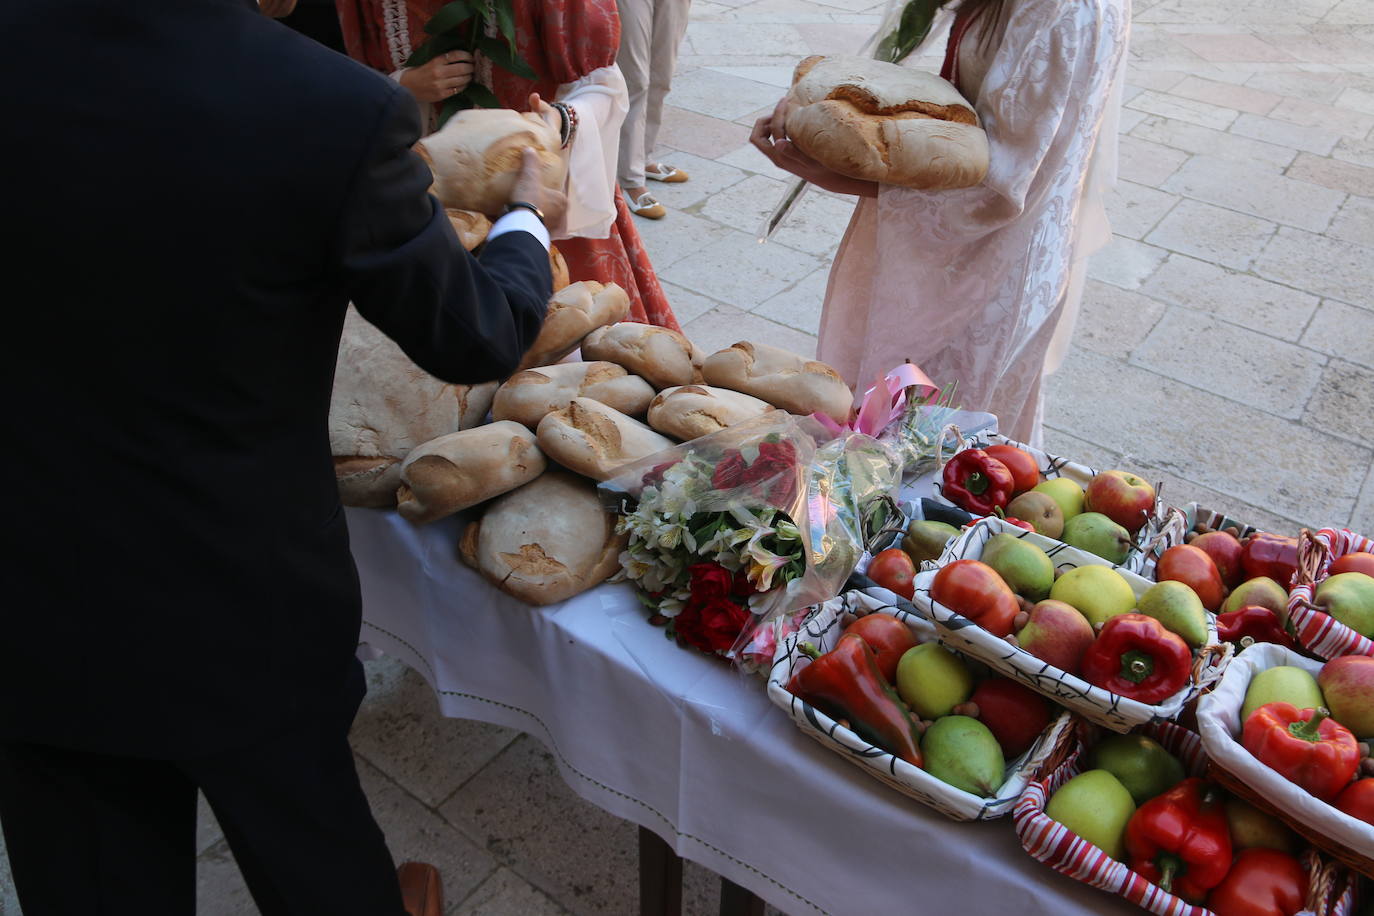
822	629
1331	892
1345	838
1318	632
1093	703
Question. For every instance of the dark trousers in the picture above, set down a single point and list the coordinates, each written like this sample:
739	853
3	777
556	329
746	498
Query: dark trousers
318	20
93	834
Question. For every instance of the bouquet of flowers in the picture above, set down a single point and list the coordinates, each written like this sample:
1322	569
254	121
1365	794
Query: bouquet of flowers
733	530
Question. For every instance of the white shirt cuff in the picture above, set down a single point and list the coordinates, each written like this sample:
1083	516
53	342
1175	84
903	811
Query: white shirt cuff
520	220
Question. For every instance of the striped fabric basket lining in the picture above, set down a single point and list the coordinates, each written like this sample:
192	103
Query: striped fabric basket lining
822	629
1318	632
1164	529
1331	890
1094	703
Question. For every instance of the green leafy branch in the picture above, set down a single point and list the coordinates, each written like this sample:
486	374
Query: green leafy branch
462	26
912	29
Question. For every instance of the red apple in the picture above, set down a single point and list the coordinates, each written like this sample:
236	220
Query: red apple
1347	685
1121	496
1056	633
889	639
1015	714
1193	567
1353	562
1226	551
1357	800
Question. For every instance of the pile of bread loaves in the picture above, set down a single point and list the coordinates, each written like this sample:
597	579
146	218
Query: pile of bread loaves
531	448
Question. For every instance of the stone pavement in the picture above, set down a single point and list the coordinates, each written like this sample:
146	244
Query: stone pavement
1226	348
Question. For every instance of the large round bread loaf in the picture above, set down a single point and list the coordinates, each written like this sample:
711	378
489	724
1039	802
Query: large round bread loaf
451	473
782	378
545	542
476	157
472	227
382	406
528	396
689	411
661	356
574	312
882	122
594	440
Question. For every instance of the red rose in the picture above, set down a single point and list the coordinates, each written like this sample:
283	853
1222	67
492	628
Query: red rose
775	472
654	476
712	625
710	580
743	588
729	472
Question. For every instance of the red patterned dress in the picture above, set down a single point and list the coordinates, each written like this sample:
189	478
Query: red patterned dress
563	41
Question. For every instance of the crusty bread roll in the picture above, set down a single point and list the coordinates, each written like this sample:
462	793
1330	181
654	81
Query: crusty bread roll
574	312
545	542
560	270
662	357
594	440
382	406
782	378
689	411
528	396
451	473
472	227
882	122
476	157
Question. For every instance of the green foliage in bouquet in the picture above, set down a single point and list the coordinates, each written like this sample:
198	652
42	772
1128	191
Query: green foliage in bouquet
924	432
465	25
912	28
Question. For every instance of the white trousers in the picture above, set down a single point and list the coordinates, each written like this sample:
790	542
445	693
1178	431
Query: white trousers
650	32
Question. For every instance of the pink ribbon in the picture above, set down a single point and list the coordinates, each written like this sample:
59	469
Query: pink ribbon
885	402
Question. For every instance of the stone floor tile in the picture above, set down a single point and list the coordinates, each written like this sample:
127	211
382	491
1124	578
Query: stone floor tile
1278	311
1329	49
1257	191
400	732
220	888
1333	173
1200	436
1114	321
1129	118
9	897
1295	85
750	159
1158	80
1226	95
535	825
816	224
1065	445
1174	490
1356	100
1285	133
687	305
1328	117
1351	12
1344	331
1135	209
779	77
1213	234
207	828
728	38
1125	262
1362	519
1157	51
1147	162
1234	362
800	306
738	270
678	235
727	325
1360	152
506	894
697	133
745	205
1242	48
705	177
1341	403
1326	266
1355	221
834	37
1201	140
719	95
1170	106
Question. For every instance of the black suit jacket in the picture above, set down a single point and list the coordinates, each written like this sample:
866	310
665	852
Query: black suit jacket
192	193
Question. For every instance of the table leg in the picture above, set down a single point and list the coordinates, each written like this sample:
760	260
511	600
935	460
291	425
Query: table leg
660	876
737	901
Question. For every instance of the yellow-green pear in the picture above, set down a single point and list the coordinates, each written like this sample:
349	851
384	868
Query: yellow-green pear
1025	568
1096	806
1098	592
1177	607
932	680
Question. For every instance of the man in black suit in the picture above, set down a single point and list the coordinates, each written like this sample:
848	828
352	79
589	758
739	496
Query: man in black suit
192	199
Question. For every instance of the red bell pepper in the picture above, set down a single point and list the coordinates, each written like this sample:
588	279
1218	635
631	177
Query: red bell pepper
1306	747
1181	840
1271	555
1261	882
845	683
1134	656
976	481
1252	624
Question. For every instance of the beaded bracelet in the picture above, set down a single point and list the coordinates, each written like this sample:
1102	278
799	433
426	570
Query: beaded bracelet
568	115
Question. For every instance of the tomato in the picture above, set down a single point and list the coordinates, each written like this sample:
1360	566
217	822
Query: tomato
973	588
894	571
1025	471
1353	562
1261	882
1357	800
888	637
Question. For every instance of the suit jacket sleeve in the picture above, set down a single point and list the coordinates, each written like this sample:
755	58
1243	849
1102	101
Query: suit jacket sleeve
458	318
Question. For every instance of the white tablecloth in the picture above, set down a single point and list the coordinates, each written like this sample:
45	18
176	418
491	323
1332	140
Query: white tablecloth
681	744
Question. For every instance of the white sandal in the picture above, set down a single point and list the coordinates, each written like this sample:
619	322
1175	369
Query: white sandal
646	206
668	174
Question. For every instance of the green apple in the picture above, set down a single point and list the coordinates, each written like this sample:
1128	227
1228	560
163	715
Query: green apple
1281	684
1141	763
1096	806
932	680
1349	597
1065	491
1098	592
1177	607
1025	568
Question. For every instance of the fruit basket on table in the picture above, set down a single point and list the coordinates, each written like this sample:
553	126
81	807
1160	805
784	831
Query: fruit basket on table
1112	710
822	629
1342	836
1331	890
1319	632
